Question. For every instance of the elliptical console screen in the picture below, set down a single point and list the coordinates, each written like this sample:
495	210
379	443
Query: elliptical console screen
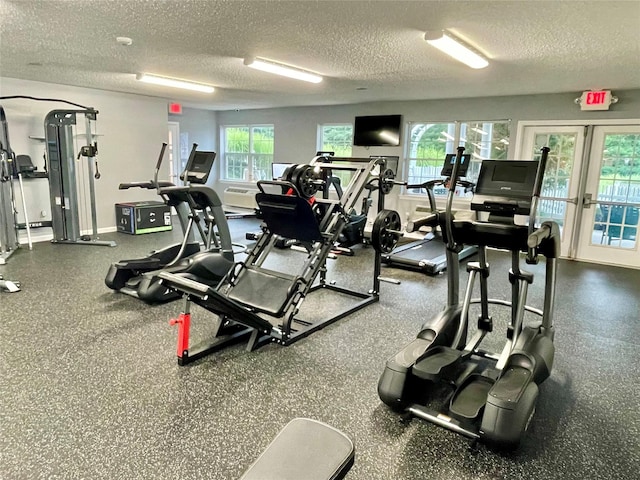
199	167
505	186
450	161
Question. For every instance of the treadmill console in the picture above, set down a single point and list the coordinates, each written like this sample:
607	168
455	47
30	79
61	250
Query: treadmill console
505	187
449	162
198	167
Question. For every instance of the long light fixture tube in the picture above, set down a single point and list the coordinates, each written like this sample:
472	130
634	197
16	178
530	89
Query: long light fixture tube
447	43
174	82
283	70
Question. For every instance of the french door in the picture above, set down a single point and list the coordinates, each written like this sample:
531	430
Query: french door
591	188
609	232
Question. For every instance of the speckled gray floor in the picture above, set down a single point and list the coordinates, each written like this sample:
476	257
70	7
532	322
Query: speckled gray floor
90	387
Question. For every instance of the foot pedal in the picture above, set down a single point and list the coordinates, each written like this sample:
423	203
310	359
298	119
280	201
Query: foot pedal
471	397
436	363
307	449
510	387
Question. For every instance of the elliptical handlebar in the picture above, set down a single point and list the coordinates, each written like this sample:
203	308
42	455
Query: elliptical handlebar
537	237
158	164
147	185
451	244
537	188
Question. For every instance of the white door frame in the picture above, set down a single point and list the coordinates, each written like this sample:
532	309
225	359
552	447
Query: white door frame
589	125
573	197
174	152
588	250
563	123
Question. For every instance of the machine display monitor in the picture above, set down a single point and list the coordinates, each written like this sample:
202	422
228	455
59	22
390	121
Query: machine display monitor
505	186
199	166
449	162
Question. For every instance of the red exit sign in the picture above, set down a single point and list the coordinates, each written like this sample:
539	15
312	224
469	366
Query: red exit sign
595	100
175	108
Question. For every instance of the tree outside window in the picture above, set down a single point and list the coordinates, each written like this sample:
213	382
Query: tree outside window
428	143
337	138
248	152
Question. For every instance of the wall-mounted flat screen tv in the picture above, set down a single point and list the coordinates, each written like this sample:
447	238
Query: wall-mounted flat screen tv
377	131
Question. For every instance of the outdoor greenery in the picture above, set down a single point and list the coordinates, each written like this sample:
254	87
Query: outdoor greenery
249	151
338	139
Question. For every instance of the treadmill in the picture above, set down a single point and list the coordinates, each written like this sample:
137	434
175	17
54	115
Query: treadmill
428	254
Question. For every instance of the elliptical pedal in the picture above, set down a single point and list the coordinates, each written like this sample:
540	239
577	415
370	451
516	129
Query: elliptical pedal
438	362
469	399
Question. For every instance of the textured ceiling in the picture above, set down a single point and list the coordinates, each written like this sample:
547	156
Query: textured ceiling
367	50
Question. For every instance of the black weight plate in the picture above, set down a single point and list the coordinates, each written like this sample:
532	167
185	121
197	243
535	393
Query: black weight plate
286	175
303	180
383	236
386	182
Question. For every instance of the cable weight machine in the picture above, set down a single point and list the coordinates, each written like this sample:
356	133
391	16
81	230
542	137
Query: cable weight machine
63	180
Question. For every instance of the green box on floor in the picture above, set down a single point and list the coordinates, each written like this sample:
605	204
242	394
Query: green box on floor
136	218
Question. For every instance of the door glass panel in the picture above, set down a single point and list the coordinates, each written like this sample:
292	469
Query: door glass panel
616	225
557	174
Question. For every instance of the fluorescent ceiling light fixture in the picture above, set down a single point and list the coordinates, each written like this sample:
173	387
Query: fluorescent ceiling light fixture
453	47
284	70
479	157
174	82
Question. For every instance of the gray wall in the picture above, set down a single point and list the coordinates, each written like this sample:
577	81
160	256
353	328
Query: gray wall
132	128
200	125
296	128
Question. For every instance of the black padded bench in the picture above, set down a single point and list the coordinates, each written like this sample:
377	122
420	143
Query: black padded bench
304	449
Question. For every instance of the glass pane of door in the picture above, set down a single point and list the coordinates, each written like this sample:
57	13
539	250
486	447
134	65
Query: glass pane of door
560	186
610	231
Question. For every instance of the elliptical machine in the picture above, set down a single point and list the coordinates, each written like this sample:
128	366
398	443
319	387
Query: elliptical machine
492	395
198	207
121	273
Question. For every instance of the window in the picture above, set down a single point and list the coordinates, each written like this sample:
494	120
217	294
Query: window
428	143
484	141
248	152
336	138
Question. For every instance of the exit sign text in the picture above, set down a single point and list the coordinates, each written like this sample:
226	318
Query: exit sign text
595	100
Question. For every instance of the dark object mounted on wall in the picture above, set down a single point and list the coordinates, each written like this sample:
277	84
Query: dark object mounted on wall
377	131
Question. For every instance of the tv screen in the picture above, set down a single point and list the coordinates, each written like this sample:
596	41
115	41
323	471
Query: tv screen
377	131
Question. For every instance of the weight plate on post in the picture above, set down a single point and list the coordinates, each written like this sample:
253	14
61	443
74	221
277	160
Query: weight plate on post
386	231
286	175
386	181
303	178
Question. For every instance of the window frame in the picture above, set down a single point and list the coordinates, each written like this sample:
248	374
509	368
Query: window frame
252	157
459	128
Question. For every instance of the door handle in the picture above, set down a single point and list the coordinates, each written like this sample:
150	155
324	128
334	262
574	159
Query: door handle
586	200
